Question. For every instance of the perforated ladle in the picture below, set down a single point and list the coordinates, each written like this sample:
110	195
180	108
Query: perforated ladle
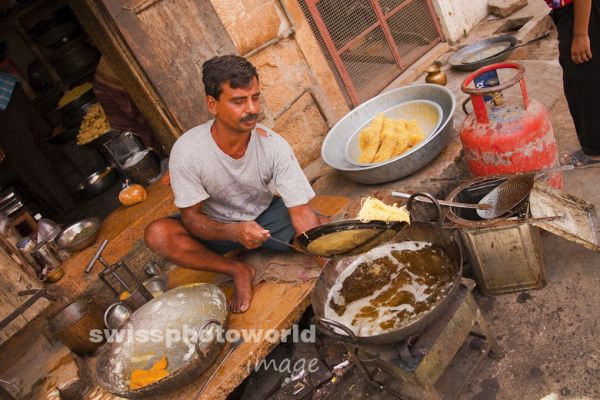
502	199
506	196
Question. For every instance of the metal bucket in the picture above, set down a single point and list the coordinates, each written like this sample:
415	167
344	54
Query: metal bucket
72	325
504	258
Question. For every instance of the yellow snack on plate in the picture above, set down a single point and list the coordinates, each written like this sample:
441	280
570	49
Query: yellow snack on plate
402	143
415	133
386	138
388	141
373	209
370	139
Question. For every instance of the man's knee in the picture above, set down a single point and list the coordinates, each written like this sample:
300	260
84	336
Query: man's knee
157	233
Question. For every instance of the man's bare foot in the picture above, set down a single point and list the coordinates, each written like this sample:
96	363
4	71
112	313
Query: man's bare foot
242	280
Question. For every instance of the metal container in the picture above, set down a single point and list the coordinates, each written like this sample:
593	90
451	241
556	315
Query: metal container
69	239
55	275
97	183
504	258
156	285
136	299
466	58
72	325
45	256
26	246
116	315
334	144
142	167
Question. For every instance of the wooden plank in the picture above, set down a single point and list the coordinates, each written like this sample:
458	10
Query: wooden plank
170	40
13	279
274	306
6	307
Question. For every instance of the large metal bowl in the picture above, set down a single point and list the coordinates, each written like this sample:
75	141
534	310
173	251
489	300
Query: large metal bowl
97	183
335	142
427	114
68	238
195	313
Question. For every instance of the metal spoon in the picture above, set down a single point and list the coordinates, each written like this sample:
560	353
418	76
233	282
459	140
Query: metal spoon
291	246
481	206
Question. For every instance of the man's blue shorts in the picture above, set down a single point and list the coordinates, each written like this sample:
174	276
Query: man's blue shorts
275	219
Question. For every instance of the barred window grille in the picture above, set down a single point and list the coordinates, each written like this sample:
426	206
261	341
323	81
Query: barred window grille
368	43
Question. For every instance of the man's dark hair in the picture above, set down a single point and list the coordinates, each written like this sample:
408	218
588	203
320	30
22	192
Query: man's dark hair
235	70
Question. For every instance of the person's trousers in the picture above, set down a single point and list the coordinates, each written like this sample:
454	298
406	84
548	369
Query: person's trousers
275	219
581	81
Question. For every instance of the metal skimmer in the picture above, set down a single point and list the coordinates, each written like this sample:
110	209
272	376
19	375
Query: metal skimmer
506	196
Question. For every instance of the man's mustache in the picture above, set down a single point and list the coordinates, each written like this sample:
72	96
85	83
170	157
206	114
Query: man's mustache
249	118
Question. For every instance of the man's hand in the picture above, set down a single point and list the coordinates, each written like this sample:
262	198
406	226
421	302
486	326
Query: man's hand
251	235
581	50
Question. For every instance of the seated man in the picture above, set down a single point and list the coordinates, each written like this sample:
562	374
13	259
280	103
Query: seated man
223	175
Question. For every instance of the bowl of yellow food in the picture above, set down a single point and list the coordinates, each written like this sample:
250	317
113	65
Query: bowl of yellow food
394	132
333	149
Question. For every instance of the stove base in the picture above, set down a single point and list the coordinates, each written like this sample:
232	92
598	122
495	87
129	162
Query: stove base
427	368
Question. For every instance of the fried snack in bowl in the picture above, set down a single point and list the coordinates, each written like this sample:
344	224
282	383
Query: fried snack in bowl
393	133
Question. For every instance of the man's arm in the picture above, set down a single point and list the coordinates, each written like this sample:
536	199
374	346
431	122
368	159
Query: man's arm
248	233
303	218
581	50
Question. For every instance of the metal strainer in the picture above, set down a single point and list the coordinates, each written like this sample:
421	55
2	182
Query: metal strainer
506	196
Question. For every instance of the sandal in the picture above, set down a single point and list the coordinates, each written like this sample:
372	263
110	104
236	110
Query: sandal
578	159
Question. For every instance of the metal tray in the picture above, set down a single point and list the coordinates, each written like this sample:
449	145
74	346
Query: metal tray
461	59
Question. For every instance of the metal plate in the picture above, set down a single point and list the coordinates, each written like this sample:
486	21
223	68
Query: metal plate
466	59
347	237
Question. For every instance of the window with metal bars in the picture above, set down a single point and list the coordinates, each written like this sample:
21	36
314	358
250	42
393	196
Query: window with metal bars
368	43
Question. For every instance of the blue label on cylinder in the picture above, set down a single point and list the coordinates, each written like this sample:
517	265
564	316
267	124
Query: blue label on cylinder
487	79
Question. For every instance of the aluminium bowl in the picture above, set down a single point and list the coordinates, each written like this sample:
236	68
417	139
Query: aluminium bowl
419	156
97	183
68	237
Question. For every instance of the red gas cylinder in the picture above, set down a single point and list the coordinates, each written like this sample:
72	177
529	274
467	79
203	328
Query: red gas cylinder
501	138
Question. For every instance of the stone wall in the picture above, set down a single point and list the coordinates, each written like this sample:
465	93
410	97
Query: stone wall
301	99
458	17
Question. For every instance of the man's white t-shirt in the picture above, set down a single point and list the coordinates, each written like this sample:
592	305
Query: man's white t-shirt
235	190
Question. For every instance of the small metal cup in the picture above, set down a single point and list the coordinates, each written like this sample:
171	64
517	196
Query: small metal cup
153	269
156	285
116	315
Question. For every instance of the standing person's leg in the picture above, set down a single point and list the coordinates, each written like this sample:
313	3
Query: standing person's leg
581	82
19	137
